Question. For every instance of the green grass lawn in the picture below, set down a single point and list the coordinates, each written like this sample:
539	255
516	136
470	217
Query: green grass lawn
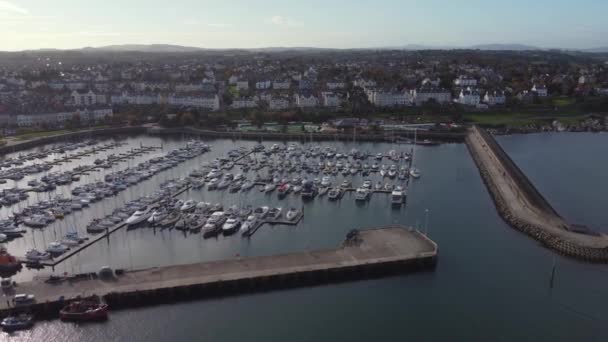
521	119
563	101
34	135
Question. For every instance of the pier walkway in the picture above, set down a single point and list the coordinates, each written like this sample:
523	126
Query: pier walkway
523	207
372	253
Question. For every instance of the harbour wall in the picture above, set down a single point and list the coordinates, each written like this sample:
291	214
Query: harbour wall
549	239
19	146
385	137
382	252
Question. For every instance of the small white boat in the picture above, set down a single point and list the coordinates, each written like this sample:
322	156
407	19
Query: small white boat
323	191
261	212
249	223
231	225
270	187
292	214
56	248
415	173
275	213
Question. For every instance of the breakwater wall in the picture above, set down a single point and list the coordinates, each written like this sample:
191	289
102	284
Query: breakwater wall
586	247
19	146
369	254
385	137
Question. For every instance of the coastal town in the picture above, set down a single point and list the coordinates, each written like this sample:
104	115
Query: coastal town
308	90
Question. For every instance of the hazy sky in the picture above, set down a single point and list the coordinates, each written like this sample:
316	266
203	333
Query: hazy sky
32	24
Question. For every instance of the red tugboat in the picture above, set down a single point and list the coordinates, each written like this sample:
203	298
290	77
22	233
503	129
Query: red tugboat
84	311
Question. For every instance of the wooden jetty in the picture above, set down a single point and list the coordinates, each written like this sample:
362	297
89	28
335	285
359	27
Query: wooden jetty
364	254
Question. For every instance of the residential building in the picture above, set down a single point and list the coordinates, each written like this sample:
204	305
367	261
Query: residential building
389	98
262	85
244	102
463	81
334	85
278	103
306	100
80	98
495	98
469	97
281	84
540	90
205	101
425	94
242	85
187	88
331	99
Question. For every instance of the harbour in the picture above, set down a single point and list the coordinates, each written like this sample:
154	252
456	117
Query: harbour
324	225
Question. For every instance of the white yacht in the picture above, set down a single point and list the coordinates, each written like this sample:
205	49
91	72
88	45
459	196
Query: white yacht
362	194
138	217
188	205
231	225
249	223
325	182
35	255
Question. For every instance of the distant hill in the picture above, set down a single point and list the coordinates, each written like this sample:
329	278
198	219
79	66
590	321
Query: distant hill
143	48
597	50
505	47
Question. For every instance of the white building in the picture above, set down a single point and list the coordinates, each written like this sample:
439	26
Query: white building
439	95
187	88
233	79
331	99
495	98
211	102
306	100
391	98
433	83
469	97
263	85
540	90
281	84
87	98
463	81
278	103
242	85
333	85
135	99
244	102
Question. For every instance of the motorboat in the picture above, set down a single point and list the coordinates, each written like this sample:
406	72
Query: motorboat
392	171
247	185
345	184
297	189
188	205
84	311
309	191
249	223
56	248
275	213
35	255
19	322
335	194
283	190
261	212
323	191
415	173
325	182
213	184
157	216
231	225
138	217
397	197
170	220
362	194
269	187
292	214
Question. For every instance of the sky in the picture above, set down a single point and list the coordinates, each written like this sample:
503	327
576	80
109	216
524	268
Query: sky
68	24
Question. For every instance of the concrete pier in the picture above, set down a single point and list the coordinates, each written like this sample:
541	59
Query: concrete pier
524	207
374	253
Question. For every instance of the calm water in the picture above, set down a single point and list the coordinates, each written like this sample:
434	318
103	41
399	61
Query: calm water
491	282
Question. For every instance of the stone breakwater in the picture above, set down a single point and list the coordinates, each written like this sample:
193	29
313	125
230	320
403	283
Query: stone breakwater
553	233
